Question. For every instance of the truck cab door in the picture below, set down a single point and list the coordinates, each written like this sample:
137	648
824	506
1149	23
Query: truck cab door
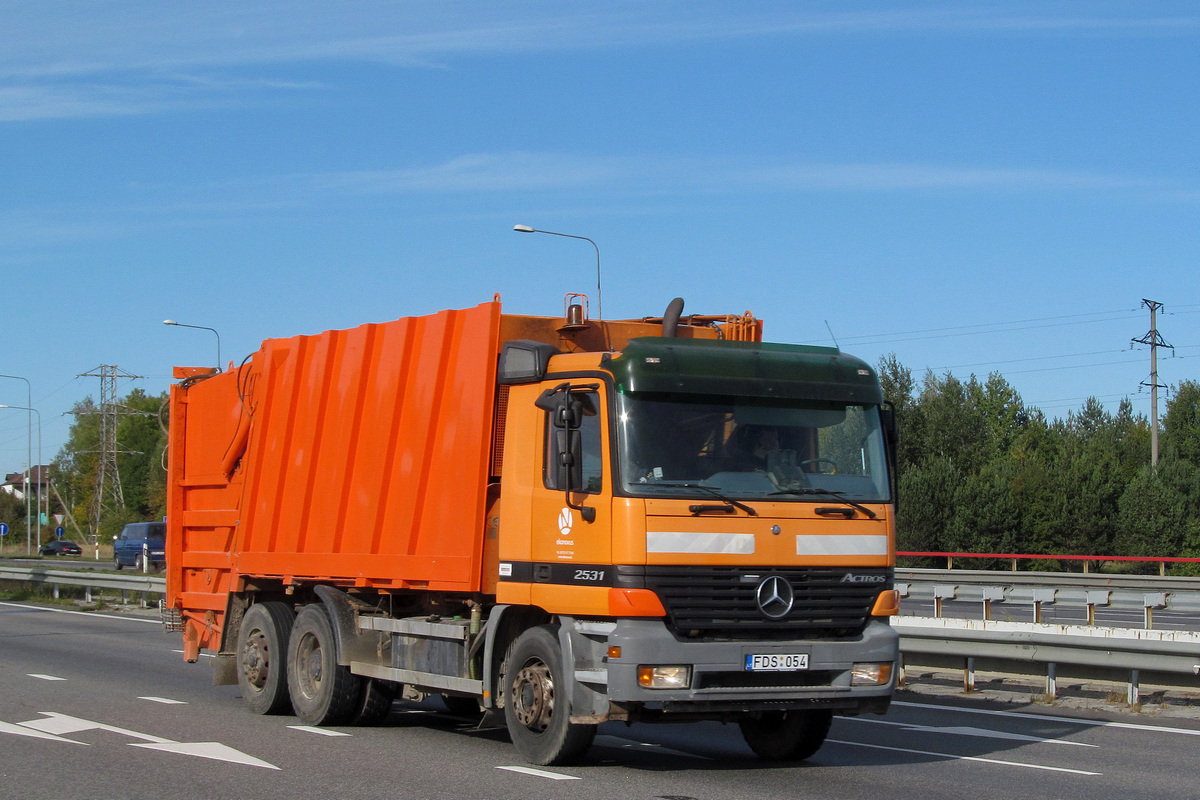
571	503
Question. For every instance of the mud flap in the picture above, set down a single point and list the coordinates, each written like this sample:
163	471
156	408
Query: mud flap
585	648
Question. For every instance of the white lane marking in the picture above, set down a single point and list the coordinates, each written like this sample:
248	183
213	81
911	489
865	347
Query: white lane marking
63	723
17	730
1095	723
90	614
55	724
604	740
322	731
538	773
952	757
202	654
967	731
165	701
213	750
45	677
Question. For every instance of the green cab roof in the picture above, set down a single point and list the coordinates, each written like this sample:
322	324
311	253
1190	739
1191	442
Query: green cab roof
753	369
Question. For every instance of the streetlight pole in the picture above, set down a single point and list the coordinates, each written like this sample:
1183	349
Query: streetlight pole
29	454
29	479
599	297
202	328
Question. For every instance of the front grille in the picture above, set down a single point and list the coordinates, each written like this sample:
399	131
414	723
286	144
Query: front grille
721	601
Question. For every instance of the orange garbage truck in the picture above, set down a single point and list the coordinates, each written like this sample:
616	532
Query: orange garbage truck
554	521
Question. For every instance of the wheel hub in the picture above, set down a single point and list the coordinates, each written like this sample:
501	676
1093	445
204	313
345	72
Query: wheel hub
256	660
533	697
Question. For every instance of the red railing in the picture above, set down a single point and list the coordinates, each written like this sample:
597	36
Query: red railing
1015	557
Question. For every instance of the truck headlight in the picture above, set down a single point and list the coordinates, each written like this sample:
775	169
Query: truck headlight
867	674
664	677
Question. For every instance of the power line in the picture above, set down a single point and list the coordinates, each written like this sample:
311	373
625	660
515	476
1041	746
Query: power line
993	327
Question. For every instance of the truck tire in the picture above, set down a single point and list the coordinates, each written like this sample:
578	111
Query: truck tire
262	646
537	708
786	735
375	702
117	562
322	691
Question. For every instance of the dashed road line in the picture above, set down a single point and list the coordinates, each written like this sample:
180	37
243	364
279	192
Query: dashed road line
45	677
321	731
165	701
540	773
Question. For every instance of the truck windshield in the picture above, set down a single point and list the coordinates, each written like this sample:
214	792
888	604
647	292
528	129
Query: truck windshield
684	445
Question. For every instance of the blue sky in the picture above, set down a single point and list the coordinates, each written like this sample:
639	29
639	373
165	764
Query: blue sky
973	186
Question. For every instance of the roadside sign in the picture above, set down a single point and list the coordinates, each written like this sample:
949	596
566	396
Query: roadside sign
3	529
60	531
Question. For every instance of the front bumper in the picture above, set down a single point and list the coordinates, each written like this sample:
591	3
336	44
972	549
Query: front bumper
720	681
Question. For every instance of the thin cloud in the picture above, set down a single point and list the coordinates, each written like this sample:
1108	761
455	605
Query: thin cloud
564	178
152	36
542	171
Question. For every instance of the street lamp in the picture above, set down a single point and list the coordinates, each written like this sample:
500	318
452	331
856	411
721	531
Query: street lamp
202	328
28	455
599	300
29	479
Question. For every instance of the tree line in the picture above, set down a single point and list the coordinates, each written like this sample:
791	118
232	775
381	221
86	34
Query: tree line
978	471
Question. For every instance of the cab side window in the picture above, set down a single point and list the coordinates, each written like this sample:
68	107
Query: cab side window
589	435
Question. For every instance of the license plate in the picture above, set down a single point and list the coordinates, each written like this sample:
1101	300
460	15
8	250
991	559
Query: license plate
777	662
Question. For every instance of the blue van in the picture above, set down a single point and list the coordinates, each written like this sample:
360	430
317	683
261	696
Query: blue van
137	538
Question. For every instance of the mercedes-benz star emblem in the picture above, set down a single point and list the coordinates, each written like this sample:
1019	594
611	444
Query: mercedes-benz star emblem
774	596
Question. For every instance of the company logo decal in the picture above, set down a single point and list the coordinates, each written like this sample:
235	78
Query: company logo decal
774	596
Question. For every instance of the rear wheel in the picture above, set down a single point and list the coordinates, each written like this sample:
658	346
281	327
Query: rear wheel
375	702
262	657
786	735
322	691
537	708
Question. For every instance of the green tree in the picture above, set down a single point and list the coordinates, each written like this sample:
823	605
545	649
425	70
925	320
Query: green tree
142	443
1181	424
1157	510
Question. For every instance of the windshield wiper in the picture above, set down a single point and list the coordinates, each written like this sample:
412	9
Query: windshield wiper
839	496
713	492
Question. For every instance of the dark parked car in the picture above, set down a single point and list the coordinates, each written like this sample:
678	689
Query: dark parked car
139	540
60	548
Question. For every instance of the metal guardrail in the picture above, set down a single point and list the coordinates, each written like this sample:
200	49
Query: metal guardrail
1106	652
1145	592
136	582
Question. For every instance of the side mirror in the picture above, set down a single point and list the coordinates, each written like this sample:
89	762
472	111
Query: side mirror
566	416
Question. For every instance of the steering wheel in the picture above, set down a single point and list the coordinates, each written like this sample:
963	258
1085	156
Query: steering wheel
819	461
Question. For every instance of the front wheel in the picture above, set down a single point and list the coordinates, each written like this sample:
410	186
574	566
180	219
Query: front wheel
537	710
117	562
322	691
786	735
